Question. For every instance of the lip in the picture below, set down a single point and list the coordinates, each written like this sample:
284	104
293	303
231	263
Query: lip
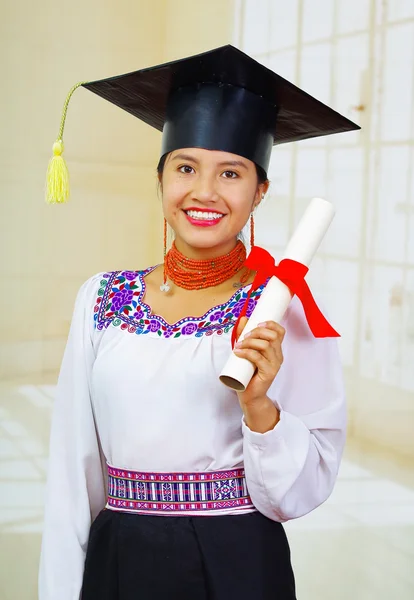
204	222
198	209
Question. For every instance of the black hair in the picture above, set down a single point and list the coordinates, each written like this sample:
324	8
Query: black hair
261	173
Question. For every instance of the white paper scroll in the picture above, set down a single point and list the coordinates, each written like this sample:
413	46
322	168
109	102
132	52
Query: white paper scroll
276	297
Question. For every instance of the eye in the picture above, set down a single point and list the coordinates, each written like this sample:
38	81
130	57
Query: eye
186	169
230	175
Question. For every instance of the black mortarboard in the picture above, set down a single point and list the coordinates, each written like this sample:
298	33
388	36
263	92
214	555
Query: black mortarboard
219	100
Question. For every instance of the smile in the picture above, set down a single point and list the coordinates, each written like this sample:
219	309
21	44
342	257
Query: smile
203	215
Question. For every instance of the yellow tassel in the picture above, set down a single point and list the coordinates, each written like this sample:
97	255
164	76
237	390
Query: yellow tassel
57	178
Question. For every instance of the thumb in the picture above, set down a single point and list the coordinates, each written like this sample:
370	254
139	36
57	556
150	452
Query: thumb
241	326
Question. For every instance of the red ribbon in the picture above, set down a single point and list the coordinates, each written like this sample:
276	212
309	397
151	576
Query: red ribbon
291	273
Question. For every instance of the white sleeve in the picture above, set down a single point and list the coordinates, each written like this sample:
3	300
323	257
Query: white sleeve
75	490
291	469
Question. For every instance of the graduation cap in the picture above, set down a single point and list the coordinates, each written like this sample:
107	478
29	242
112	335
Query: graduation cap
218	100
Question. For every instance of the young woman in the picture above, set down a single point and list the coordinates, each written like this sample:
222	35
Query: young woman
163	482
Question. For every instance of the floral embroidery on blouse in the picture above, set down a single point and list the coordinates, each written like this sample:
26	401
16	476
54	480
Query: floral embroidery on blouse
120	302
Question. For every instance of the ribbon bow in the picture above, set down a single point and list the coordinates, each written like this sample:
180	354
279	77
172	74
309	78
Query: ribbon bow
291	273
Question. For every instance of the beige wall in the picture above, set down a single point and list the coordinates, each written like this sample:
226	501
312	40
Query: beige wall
356	56
193	26
113	220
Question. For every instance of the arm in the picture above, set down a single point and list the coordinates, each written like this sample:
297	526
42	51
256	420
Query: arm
75	491
292	452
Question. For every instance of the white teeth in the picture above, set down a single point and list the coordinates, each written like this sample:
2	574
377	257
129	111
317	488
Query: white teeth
206	216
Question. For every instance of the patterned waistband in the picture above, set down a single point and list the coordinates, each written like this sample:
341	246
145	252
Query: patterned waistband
134	491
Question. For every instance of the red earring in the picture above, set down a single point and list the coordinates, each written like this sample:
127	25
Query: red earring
165	287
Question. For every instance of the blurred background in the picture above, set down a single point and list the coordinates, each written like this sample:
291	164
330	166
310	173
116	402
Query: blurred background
355	55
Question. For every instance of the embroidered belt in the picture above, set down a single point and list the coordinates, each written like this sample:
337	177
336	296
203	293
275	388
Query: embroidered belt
134	491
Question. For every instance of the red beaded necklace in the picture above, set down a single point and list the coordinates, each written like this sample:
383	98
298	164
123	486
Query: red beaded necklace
199	274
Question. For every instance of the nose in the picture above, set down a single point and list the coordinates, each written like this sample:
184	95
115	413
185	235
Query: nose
205	188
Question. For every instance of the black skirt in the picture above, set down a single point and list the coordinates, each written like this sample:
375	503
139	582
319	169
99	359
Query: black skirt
140	557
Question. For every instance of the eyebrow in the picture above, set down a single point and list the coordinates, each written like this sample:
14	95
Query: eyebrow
227	163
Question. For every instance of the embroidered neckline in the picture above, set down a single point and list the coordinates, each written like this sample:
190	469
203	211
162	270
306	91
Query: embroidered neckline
218	307
120	303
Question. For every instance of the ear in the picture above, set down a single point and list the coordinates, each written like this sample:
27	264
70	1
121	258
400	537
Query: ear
262	190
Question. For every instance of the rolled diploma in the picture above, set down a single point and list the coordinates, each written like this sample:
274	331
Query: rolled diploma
276	296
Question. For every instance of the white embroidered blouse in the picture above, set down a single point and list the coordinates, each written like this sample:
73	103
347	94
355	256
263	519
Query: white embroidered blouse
144	395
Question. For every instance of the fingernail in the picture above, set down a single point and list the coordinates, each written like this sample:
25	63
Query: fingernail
248	334
262	324
238	345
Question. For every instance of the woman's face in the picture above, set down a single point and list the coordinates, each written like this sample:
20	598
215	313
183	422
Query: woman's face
207	197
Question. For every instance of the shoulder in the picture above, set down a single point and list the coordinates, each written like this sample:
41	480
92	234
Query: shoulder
99	282
108	293
313	358
294	320
297	327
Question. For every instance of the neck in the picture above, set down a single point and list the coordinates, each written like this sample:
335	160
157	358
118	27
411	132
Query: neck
204	253
202	272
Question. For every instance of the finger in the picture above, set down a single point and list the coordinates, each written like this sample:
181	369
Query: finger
262	345
267	333
270	351
255	357
260	333
272	325
279	355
